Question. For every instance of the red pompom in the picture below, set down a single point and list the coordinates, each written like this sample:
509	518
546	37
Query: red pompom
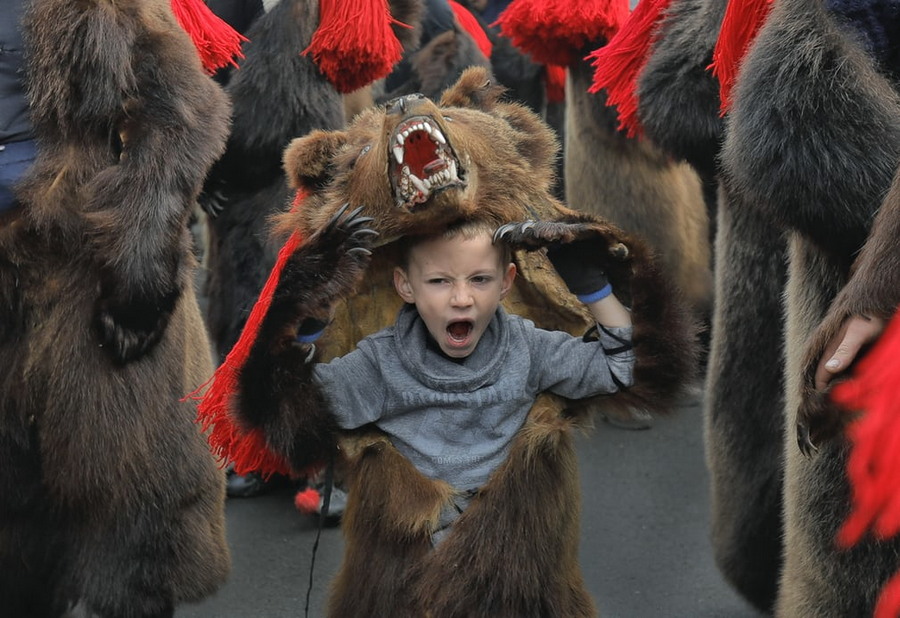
470	24
246	449
354	44
618	64
557	31
217	43
741	24
307	501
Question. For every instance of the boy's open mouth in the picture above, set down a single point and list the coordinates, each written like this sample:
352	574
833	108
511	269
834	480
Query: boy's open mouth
459	332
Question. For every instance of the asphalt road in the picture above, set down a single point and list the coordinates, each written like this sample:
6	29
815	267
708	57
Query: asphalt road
645	549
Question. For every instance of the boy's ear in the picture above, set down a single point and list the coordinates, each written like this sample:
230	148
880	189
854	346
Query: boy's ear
508	278
401	284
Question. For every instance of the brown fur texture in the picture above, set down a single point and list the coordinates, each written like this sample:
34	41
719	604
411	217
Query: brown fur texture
812	143
743	404
109	496
504	155
637	186
873	290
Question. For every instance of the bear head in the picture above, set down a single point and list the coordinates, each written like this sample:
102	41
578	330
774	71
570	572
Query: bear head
416	165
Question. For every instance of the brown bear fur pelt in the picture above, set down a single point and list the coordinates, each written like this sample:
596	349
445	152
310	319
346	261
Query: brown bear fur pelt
109	496
637	186
812	142
678	105
503	159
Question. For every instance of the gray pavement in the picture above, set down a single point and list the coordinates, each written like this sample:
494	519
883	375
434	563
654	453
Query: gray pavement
645	549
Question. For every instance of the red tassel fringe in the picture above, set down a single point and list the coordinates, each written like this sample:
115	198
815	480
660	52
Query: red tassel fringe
354	44
741	24
873	466
246	449
556	31
470	24
217	43
618	64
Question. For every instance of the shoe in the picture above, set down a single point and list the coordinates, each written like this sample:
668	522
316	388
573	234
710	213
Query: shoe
250	484
311	500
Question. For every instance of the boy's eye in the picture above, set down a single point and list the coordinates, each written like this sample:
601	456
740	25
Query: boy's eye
436	280
481	279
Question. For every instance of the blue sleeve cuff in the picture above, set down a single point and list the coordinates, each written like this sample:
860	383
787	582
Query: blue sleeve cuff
309	337
595	296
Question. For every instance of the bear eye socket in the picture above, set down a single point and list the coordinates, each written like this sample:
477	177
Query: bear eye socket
448	118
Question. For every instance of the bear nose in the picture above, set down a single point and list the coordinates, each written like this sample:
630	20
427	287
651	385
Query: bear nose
401	105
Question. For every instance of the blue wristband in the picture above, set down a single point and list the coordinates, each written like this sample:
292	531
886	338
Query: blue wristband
309	337
595	296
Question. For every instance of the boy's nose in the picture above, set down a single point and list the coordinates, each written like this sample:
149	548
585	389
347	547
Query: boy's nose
462	297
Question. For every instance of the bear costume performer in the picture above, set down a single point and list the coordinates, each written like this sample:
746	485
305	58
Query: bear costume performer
109	497
678	107
812	143
507	555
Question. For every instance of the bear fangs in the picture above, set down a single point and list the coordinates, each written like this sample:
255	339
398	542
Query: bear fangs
422	163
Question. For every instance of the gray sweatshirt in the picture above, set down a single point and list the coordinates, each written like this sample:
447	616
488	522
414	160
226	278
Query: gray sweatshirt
455	420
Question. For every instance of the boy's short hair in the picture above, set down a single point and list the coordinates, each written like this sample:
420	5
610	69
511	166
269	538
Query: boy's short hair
465	228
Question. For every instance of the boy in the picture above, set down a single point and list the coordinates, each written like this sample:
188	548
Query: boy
453	380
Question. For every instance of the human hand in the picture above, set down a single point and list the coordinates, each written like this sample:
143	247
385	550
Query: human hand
856	332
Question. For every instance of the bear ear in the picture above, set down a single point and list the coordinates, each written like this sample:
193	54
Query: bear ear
307	160
476	88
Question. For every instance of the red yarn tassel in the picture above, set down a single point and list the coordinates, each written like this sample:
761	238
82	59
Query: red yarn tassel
888	605
618	64
354	44
217	43
555	83
469	23
246	449
873	466
741	24
556	31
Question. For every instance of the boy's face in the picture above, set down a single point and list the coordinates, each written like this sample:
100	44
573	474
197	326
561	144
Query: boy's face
457	285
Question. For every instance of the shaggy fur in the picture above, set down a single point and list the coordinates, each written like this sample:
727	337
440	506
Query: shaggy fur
108	493
873	290
436	66
813	144
389	569
678	96
641	189
277	94
744	396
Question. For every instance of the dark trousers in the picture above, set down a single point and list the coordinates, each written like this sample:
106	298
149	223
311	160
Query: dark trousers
15	159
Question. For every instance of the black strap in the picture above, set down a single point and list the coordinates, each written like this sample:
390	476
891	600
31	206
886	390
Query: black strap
326	504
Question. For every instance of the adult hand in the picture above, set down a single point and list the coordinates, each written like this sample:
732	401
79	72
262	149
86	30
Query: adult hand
856	332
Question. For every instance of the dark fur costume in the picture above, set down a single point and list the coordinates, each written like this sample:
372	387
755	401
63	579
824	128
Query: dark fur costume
812	143
108	493
507	555
277	94
678	105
